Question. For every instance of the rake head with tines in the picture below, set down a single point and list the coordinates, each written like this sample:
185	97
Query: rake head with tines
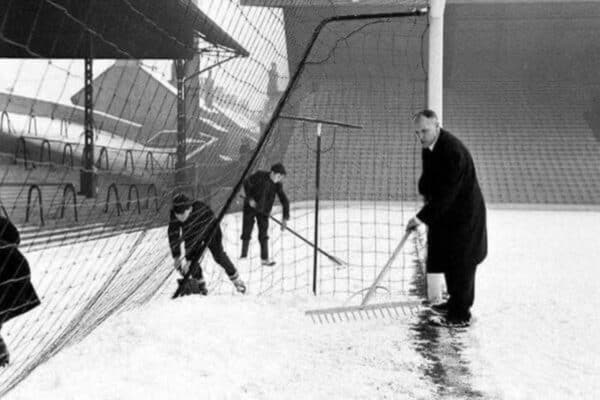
365	310
392	309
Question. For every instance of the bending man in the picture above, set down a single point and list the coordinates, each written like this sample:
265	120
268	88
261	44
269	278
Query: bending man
190	223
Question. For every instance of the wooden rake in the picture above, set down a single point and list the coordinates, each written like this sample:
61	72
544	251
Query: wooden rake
394	309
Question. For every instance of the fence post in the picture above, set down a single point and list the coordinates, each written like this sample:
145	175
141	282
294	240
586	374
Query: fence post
8	127
67	145
129	154
114	188
34	119
99	162
27	210
64	200
45	142
64	128
137	195
21	141
149	157
153	187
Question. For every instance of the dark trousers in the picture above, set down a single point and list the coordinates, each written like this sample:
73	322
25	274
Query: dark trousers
262	221
461	288
218	252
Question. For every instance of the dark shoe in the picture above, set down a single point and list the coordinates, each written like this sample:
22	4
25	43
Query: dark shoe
192	286
4	355
267	263
264	249
440	308
199	287
448	323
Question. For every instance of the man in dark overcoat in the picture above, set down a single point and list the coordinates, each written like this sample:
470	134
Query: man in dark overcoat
17	295
455	215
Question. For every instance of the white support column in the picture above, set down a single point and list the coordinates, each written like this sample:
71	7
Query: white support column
435	68
435	91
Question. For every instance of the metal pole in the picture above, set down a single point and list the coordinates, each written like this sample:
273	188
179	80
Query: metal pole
317	182
435	66
88	178
200	71
181	125
435	87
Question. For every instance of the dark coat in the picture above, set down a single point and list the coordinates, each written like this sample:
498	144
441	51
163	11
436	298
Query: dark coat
17	295
193	232
454	209
262	189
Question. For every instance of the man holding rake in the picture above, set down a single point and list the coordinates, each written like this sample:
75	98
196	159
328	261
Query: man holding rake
455	215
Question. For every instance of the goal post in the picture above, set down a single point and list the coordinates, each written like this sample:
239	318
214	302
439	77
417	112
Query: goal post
363	70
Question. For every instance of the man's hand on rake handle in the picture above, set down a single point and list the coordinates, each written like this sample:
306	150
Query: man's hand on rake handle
412	224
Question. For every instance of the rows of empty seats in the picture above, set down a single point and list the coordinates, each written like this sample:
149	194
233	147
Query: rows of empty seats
530	143
31	150
381	161
43	200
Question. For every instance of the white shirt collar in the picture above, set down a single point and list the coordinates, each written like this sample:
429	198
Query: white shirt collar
432	145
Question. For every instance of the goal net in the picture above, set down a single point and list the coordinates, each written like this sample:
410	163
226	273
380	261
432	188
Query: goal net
193	98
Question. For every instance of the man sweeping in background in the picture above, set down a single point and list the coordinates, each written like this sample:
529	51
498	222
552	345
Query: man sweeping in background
260	189
190	223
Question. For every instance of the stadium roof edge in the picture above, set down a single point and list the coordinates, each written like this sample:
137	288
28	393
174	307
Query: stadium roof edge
333	3
518	1
365	3
131	29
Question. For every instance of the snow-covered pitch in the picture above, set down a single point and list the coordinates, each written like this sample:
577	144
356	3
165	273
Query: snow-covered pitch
535	336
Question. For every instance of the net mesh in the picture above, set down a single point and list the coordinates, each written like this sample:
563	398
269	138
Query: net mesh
93	255
367	176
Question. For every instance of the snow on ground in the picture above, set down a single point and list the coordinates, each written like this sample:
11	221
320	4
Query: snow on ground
225	348
535	336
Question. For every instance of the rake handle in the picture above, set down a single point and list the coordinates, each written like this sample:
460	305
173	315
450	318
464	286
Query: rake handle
387	266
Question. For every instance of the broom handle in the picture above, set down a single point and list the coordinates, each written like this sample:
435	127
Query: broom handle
308	242
385	269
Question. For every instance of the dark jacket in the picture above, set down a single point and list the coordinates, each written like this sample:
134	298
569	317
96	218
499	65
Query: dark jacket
17	294
454	209
262	189
193	232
